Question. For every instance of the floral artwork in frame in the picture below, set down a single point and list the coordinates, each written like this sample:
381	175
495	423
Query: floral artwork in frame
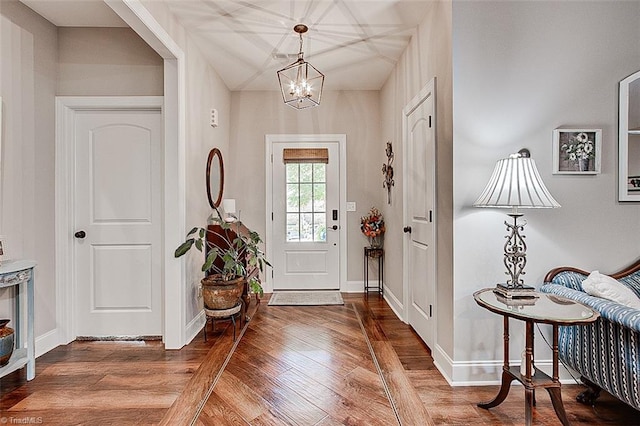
577	151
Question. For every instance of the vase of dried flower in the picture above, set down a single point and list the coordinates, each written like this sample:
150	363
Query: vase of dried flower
376	242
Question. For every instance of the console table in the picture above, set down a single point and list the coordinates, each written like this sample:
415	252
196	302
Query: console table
18	274
378	254
543	308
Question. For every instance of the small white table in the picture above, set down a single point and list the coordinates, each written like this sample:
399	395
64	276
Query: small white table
18	274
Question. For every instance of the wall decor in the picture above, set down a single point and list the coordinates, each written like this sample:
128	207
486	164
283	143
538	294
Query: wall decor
629	138
2	249
215	178
577	151
387	172
633	184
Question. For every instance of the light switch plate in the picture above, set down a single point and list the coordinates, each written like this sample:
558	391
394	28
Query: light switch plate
351	206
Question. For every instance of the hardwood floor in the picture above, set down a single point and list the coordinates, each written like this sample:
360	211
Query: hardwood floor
292	365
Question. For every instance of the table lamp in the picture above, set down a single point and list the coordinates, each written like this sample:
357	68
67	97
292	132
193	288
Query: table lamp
229	209
516	184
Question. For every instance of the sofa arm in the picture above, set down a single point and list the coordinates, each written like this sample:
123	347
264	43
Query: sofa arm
612	311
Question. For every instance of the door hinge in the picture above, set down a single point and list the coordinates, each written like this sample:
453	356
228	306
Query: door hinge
429	123
430	215
272	274
430	311
272	216
271	158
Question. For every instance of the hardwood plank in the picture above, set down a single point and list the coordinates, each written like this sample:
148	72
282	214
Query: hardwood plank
59	399
314	358
184	408
343	409
285	403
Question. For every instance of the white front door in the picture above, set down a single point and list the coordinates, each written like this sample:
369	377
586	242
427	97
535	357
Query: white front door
419	137
117	221
306	218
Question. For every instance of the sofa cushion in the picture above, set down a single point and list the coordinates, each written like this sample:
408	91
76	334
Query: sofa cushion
606	287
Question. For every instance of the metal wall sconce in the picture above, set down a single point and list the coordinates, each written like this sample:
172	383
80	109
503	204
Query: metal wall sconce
387	172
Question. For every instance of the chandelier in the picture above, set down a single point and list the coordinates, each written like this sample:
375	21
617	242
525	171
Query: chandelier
300	82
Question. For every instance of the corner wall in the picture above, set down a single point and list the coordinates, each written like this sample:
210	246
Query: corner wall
522	69
427	56
28	56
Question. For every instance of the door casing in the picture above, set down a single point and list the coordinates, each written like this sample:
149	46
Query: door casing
341	139
66	108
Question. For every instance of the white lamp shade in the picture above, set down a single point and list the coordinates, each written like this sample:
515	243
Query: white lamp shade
515	182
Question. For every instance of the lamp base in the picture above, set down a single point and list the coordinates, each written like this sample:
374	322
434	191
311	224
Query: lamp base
515	292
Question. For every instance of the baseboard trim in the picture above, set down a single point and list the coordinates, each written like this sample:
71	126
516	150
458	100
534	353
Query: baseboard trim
46	342
194	327
395	305
485	373
353	287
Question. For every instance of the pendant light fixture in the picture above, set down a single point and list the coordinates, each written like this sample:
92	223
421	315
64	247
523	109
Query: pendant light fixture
300	82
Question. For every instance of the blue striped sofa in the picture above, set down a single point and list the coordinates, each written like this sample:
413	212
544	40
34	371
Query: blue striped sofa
607	352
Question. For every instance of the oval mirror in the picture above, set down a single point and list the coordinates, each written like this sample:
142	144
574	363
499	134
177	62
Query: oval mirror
215	177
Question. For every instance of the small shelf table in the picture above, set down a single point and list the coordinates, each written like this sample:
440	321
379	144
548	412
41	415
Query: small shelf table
19	274
214	315
374	253
543	308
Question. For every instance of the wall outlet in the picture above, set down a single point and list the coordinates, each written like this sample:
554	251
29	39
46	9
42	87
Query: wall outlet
351	206
213	117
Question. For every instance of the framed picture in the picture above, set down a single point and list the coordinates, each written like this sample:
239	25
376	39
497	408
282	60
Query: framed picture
633	184
3	256
577	151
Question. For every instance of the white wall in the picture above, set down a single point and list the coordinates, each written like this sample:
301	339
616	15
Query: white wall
522	69
354	113
27	87
107	62
427	56
204	90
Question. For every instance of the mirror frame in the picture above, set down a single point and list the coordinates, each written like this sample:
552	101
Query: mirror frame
625	130
215	155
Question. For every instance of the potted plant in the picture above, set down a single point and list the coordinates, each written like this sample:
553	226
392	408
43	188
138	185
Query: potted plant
227	262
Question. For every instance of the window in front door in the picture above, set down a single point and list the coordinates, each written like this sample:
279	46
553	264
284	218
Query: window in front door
306	202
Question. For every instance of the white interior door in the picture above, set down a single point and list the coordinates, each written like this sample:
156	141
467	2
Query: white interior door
419	129
306	219
118	290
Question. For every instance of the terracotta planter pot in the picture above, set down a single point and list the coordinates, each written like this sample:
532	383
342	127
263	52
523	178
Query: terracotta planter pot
6	342
219	294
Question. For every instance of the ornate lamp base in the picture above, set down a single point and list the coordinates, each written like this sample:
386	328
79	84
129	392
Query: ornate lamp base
515	292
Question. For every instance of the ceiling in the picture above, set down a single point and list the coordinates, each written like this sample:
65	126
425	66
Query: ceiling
355	43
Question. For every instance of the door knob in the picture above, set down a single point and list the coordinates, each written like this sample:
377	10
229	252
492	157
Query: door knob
80	234
407	229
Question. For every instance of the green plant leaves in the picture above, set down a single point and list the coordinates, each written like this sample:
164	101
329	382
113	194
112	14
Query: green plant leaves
184	247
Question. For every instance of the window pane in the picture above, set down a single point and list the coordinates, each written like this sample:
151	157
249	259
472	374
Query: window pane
293	198
306	172
319	172
306	227
319	197
320	227
293	227
306	191
292	172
